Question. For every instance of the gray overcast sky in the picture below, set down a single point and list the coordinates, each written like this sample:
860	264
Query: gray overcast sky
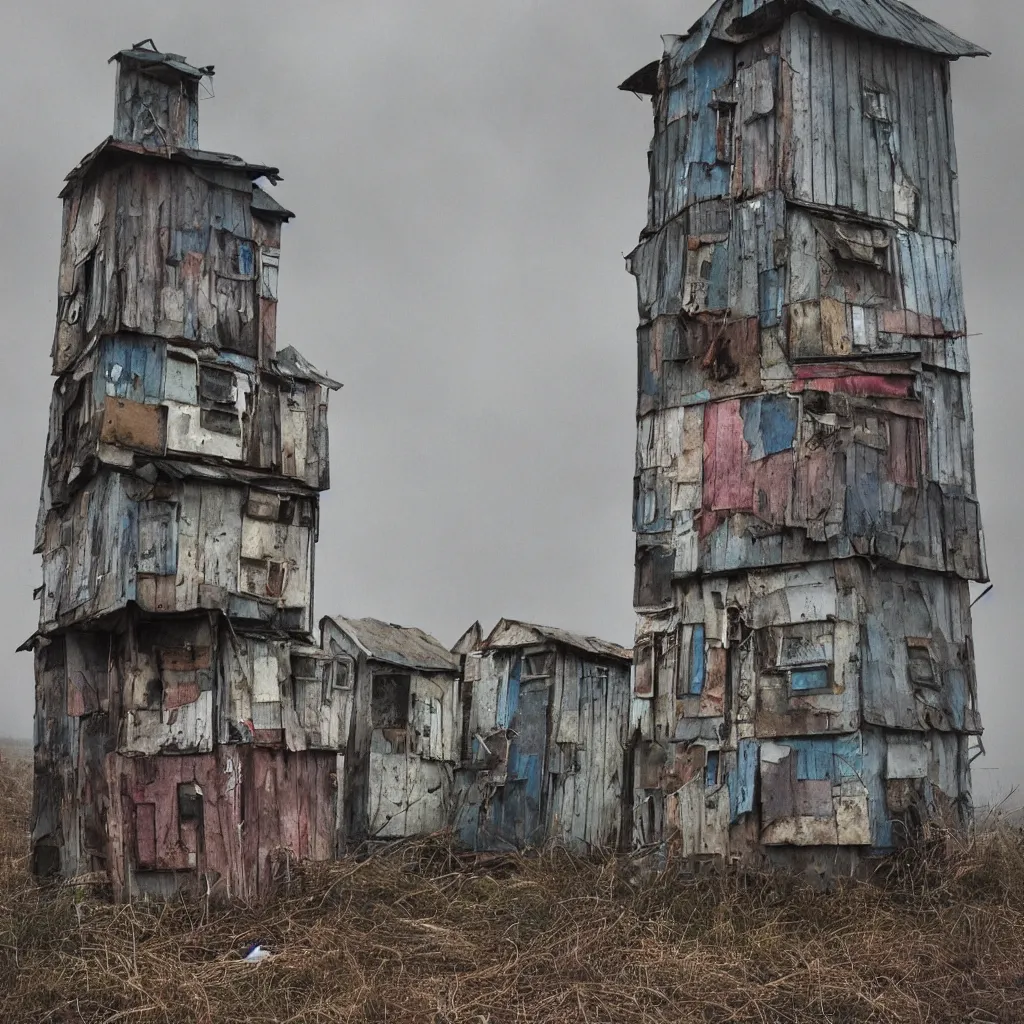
466	179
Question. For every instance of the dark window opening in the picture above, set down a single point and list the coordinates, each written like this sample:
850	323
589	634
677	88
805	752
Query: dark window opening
218	393
389	703
190	802
724	131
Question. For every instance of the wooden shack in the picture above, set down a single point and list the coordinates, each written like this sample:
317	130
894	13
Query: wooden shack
544	742
404	742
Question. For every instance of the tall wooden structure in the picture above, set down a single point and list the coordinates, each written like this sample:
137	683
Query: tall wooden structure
188	731
806	513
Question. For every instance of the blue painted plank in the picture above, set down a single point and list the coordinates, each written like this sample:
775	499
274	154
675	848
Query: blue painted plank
711	769
771	297
508	695
697	666
743	782
769	424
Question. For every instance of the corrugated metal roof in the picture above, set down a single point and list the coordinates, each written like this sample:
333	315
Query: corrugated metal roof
405	646
264	203
515	633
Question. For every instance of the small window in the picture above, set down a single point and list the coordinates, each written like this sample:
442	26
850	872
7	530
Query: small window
181	379
270	261
877	105
711	769
539	666
725	127
342	674
920	667
643	669
263	578
810	680
190	802
390	701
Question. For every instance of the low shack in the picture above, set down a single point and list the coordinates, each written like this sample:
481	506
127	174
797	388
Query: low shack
404	742
545	730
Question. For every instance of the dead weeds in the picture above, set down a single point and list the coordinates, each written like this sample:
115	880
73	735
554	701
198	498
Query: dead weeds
418	934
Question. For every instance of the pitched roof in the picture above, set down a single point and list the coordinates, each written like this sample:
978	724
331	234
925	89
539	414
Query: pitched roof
267	206
114	149
160	64
404	646
289	362
892	20
514	633
887	19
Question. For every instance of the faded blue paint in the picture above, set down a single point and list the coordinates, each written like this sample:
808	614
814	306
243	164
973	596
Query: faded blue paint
188	240
246	259
653	507
718	282
771	297
508	694
711	769
743	782
827	758
244	363
769	424
931	279
803	679
130	367
698	398
697	666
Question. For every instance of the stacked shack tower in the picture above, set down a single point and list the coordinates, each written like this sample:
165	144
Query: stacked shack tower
806	512
187	730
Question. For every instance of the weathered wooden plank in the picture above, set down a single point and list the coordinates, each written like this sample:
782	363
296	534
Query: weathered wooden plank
840	46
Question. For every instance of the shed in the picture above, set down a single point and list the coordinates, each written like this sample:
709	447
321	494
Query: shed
404	741
545	729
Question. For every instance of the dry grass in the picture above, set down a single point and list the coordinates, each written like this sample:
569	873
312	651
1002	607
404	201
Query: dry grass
414	935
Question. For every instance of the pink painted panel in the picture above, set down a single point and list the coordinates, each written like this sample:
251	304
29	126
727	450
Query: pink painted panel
728	472
865	385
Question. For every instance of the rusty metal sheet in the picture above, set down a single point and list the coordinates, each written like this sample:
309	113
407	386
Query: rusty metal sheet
134	425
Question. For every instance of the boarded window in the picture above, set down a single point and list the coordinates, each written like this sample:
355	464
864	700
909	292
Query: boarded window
145	835
270	261
390	701
158	538
263	505
181	379
920	666
643	672
218	397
